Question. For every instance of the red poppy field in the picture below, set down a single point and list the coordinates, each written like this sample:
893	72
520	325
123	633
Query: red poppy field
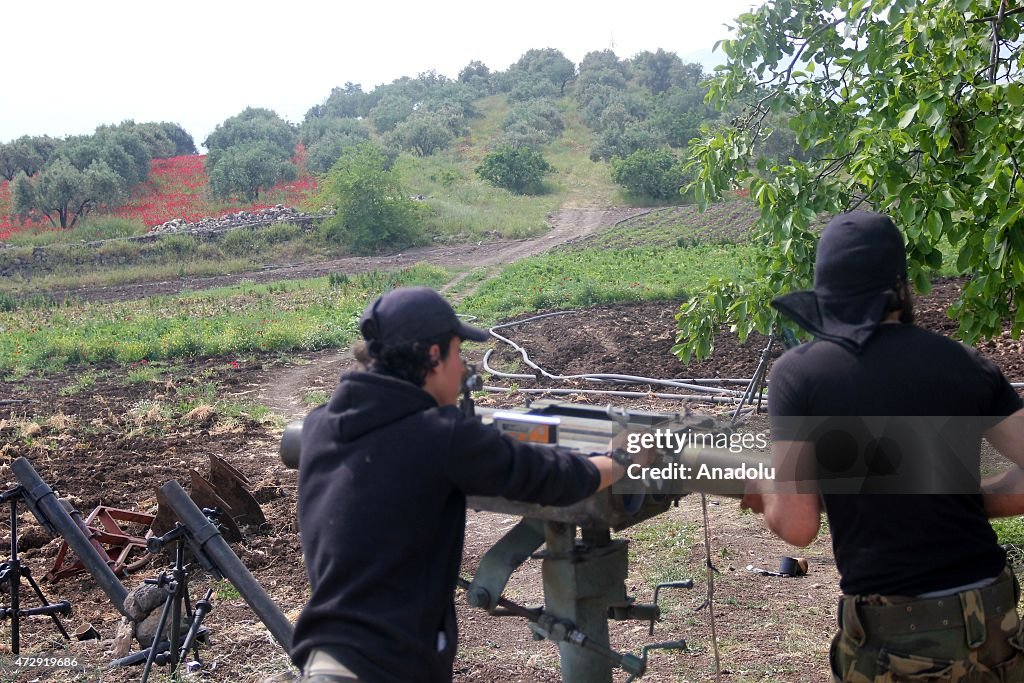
177	188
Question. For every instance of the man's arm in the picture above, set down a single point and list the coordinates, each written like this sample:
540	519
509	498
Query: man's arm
610	470
791	509
1004	493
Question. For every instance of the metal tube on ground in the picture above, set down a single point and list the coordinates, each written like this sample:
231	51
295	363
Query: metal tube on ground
210	541
43	498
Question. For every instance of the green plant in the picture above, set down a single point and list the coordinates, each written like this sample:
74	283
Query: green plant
373	210
315	398
142	373
298	315
652	173
81	383
517	169
225	590
926	138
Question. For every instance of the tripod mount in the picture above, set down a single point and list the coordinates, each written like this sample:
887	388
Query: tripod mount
12	571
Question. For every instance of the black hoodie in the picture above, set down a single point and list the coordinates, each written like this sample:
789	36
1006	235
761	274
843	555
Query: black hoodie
383	480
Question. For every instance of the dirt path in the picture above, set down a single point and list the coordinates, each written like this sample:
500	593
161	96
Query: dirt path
567	225
286	389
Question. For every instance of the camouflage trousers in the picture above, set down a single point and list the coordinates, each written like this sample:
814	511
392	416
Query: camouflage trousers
970	637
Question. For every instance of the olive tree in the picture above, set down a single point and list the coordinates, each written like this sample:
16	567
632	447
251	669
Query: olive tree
249	168
914	108
64	193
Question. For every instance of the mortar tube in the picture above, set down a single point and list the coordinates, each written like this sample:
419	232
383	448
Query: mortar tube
210	541
43	498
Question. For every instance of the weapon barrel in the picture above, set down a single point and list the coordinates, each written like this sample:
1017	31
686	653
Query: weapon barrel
42	497
291	444
213	544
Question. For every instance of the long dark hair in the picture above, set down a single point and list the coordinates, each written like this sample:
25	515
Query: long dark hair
410	362
901	299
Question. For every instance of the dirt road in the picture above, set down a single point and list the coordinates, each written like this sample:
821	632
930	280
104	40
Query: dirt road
567	225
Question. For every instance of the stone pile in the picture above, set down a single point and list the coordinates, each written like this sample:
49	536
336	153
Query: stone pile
240	219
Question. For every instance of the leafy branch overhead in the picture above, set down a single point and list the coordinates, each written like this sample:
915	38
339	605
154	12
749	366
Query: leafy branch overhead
908	107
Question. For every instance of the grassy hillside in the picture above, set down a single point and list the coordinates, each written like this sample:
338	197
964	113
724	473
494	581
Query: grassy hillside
468	209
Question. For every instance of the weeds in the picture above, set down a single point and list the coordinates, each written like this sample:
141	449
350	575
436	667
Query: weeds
81	383
596	276
315	398
299	315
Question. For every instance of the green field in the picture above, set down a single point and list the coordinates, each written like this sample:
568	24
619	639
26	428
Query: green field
294	315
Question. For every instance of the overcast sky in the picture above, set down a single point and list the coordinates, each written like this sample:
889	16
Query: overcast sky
73	65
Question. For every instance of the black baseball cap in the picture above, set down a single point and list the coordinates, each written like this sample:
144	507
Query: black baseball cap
411	314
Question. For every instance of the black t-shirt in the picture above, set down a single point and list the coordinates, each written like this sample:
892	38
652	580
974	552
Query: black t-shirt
898	543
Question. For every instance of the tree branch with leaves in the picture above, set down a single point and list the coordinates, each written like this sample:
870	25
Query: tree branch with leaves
902	109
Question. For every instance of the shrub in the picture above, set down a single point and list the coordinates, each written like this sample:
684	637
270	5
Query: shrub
373	210
651	173
517	169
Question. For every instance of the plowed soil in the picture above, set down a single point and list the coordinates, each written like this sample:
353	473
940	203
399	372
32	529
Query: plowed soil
114	443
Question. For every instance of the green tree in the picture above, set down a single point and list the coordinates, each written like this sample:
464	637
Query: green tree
151	135
325	152
64	193
532	123
548	68
182	140
921	105
657	71
655	173
316	129
348	101
124	153
679	114
424	133
327	138
476	76
541	114
9	163
392	109
248	168
251	125
27	154
373	211
520	170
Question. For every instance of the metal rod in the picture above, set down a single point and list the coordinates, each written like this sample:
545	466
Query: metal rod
611	392
210	541
41	495
15	582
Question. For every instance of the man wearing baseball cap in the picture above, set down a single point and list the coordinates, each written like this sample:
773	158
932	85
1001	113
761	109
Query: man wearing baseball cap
927	594
385	469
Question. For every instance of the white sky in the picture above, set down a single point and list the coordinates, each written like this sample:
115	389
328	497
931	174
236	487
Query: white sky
73	65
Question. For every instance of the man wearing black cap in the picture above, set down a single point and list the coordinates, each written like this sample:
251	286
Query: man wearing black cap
385	469
927	595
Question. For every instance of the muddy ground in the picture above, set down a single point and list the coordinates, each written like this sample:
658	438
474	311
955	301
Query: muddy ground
114	443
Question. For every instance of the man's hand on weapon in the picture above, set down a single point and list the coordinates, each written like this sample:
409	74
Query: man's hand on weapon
612	465
619	453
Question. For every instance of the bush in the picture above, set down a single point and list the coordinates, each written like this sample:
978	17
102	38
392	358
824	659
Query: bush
650	173
373	210
517	169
